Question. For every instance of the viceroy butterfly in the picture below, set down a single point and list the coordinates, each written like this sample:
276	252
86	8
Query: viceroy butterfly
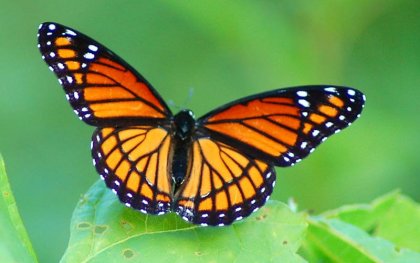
210	171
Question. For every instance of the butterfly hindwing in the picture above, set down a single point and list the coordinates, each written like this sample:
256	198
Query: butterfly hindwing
101	87
134	162
283	126
223	184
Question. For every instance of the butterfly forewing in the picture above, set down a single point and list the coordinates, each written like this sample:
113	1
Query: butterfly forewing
134	164
284	126
223	185
102	88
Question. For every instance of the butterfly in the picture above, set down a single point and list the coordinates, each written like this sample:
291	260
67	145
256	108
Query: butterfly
213	170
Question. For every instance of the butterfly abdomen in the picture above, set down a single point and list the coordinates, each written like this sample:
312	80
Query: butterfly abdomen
183	123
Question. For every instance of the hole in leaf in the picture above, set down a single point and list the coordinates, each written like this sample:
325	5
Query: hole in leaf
83	225
261	217
126	225
100	229
128	253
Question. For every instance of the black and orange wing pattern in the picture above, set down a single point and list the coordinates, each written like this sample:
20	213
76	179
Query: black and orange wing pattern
130	148
230	153
102	88
283	126
223	184
134	164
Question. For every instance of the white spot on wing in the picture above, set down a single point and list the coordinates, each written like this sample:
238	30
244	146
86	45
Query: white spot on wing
51	26
88	56
351	92
330	89
304	103
93	48
302	93
70	32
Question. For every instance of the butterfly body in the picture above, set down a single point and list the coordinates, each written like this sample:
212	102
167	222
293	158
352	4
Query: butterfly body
184	127
213	170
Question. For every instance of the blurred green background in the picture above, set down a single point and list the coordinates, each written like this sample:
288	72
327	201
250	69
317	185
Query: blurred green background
221	51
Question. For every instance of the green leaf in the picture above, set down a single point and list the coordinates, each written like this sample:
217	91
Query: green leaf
401	224
365	216
394	217
15	245
104	230
332	240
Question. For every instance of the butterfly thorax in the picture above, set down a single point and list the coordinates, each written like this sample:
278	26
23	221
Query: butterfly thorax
184	125
183	128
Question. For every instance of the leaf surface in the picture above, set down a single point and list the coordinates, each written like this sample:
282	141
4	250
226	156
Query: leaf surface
104	230
15	245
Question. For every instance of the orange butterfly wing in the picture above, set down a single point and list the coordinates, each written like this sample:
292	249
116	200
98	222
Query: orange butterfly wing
107	92
284	126
134	164
102	88
223	184
233	151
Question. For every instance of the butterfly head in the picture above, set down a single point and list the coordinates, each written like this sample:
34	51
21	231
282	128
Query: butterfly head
184	123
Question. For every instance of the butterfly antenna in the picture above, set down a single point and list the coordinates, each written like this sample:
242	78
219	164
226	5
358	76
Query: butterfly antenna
172	104
186	102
